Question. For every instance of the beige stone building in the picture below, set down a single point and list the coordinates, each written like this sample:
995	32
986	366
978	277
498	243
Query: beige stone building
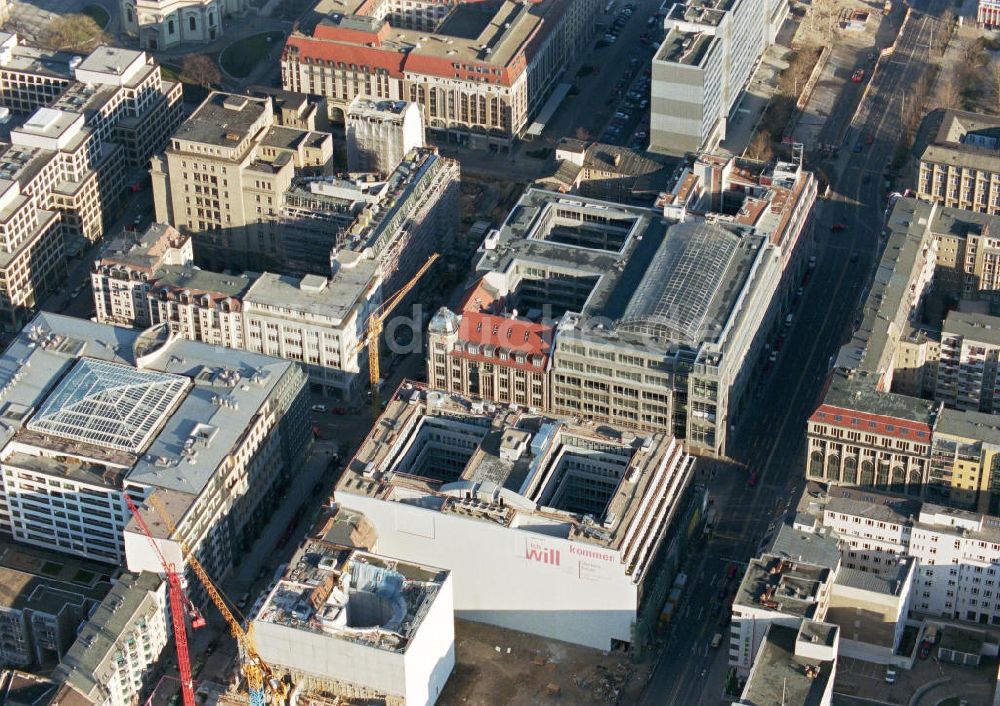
961	165
480	71
224	174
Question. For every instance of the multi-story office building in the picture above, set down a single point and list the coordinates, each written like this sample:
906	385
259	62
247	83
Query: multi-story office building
148	280
658	325
91	412
225	173
45	598
794	665
566	517
112	659
349	623
163	24
317	321
380	134
479	71
699	72
968	375
64	168
960	167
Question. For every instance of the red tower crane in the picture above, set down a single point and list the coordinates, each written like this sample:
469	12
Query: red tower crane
178	603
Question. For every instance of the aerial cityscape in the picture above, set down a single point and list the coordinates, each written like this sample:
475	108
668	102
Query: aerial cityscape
489	352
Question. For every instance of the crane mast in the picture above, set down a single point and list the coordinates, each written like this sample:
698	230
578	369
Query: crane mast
177	601
257	672
376	322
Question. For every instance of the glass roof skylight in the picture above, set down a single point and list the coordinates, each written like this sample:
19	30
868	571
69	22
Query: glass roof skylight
110	405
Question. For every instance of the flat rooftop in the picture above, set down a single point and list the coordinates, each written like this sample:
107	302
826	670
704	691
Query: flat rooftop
196	281
333	298
352	595
681	47
786	586
189	403
980	328
515	465
851	391
39	580
463	34
223	119
657	280
781	678
978	426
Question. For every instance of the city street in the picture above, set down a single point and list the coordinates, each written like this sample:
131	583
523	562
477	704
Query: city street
770	441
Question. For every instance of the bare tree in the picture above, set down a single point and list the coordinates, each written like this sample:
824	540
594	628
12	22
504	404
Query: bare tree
582	134
200	69
994	74
945	28
73	33
948	93
973	53
760	147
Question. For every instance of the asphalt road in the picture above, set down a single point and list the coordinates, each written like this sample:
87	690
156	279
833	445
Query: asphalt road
771	442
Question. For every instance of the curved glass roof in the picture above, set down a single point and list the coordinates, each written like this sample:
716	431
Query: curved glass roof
110	405
676	293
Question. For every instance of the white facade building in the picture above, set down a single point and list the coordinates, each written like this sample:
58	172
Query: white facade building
360	625
316	320
381	133
91	412
548	527
699	72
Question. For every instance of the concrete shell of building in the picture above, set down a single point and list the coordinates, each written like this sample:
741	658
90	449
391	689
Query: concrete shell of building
380	134
350	623
565	518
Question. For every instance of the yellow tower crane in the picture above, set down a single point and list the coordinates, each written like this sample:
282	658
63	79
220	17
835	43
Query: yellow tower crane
376	320
258	673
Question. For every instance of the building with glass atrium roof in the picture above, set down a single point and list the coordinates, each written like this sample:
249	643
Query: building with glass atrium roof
89	412
647	322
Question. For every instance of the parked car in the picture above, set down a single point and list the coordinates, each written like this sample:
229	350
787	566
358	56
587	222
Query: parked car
754	477
890	676
925	649
319	408
837	227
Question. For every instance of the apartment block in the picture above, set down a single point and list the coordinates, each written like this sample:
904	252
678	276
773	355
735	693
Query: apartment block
961	165
839	610
605	171
957	552
92	412
46	596
224	174
557	508
353	624
296	110
125	273
479	71
964	465
637	320
968	375
710	52
380	134
165	24
112	659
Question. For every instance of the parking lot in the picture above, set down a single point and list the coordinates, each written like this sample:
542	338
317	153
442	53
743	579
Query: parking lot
868	680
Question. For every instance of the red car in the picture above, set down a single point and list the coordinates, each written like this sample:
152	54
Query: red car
752	480
837	227
858	76
731	571
869	138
